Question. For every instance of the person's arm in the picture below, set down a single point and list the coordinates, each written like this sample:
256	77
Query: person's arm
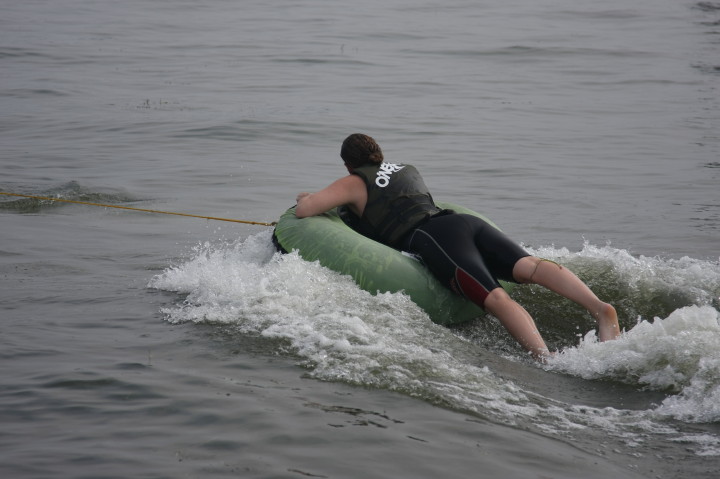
349	190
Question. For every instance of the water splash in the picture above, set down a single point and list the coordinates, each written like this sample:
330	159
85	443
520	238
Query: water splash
679	354
342	333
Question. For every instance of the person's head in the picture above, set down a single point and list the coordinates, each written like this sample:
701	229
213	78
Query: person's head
358	150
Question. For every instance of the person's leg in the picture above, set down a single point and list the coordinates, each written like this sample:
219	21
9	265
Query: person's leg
517	321
564	282
447	247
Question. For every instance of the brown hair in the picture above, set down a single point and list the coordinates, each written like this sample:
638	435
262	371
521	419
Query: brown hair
358	150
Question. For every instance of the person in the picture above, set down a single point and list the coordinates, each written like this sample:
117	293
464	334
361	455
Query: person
390	203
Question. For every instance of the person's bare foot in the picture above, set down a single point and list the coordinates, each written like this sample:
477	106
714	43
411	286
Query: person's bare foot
608	326
545	355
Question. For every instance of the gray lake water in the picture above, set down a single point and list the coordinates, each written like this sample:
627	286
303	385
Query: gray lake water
149	345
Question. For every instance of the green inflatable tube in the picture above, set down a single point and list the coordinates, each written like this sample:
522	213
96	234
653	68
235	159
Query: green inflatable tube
374	266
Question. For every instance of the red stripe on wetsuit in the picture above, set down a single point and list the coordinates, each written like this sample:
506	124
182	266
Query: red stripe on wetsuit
470	287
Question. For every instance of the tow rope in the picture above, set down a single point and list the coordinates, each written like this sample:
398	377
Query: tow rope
46	198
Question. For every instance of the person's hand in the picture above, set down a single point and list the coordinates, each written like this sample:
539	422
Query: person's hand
300	196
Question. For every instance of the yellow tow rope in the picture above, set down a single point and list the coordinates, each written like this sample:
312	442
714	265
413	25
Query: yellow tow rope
137	209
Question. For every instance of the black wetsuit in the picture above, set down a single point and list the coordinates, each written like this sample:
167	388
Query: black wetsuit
464	252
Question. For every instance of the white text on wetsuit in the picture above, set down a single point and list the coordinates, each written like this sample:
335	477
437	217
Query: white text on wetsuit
383	176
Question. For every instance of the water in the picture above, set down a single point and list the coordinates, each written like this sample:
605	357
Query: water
158	346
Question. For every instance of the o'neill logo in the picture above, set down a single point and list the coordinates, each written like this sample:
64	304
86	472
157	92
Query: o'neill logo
383	176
